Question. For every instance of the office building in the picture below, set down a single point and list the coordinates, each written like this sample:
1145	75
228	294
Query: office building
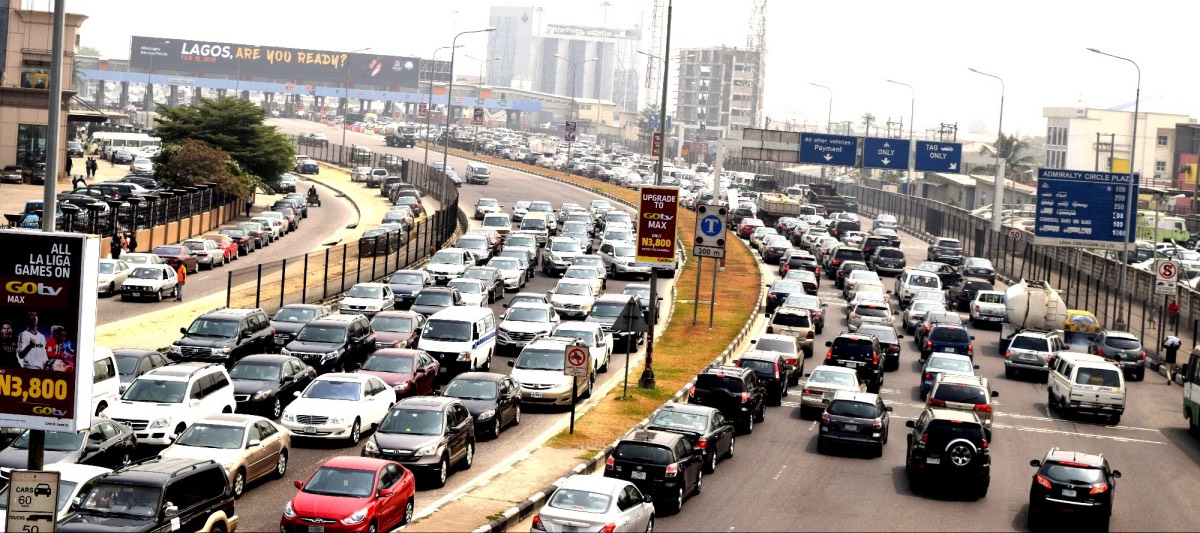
718	88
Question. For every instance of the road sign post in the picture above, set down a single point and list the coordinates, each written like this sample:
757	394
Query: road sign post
577	362
569	134
711	223
823	149
934	156
32	501
1082	209
477	117
1166	280
887	154
656	144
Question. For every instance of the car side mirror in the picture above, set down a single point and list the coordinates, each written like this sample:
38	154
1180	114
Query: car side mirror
92	448
888	408
512	363
972	337
287	379
646	497
296	394
976	367
1116	473
824	305
253	443
1035	463
383	493
171	511
900	337
995	394
299	484
907	424
183	331
829	344
807	374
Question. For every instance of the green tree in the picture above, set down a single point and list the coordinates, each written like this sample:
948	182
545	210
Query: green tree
192	162
1018	160
236	128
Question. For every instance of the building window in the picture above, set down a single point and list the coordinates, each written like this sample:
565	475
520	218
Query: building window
31	144
35	78
1056	158
1056	136
1160	166
1162	140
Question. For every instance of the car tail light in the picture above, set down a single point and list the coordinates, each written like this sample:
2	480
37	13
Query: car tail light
977	309
537	523
692	391
612	526
809	391
1100	351
928	345
1142	357
1099	489
745	397
776	370
791	360
1043	481
874	358
810	337
829	354
935	402
924	438
608	463
928	376
853	315
672	471
702	443
985	444
983	408
877	423
893	349
837	262
1007	354
926	328
970	348
825	417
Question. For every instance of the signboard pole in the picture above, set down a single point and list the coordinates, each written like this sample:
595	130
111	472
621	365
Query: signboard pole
574	388
712	298
696	306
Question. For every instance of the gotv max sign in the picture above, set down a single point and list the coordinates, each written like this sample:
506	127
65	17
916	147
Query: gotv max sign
47	329
656	221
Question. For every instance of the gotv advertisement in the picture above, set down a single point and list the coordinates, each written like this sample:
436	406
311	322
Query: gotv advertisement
47	329
274	62
657	209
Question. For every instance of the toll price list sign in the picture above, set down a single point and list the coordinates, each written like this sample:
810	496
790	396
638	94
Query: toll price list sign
656	220
1085	209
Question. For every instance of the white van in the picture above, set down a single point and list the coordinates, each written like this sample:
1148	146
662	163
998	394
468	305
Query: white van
913	280
478	173
1084	383
462	339
106	382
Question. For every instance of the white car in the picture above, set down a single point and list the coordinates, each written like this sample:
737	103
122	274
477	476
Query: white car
483	206
160	404
587	275
72	480
590	502
988	307
572	298
135	259
368	299
511	270
150	281
113	274
449	263
275	227
338	405
823	383
522	322
472	291
598	341
914	315
206	251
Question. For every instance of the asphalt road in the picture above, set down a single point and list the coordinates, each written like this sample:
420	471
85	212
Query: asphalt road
260	508
778	481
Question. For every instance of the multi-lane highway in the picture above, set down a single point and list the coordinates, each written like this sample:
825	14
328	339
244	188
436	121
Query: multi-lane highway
260	508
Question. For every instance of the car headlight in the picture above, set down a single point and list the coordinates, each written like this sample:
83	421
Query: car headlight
160	423
487	414
265	393
174	349
357	517
289	511
330	355
401	387
432	449
463	357
288	416
371	447
337	420
221	352
285	351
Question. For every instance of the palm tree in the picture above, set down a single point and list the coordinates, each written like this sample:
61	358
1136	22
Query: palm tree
1017	162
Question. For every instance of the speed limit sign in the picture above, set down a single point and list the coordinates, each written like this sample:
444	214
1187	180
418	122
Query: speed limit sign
1015	234
1166	277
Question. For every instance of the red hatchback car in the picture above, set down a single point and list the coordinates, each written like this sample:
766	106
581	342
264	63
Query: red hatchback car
175	254
747	227
408	372
351	494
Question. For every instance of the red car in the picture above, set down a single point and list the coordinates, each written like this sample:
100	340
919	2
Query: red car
408	372
351	494
747	227
225	243
175	254
397	329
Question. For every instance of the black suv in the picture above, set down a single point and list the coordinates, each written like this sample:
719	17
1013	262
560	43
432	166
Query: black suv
945	250
735	391
980	268
772	371
664	465
157	494
1072	482
290	318
888	261
420	424
706	428
873	243
950	444
224	335
841	255
333	342
854	419
861	352
963	291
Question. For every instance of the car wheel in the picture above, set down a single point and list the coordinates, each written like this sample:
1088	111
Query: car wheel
517	416
125	459
112	289
749	425
587	393
878	452
276	409
469	455
762	413
443	472
710	466
372	528
239	483
1141	375
650	524
1009	372
158	296
732	445
408	512
281	464
355	432
699	482
822	447
677	505
1033	519
497	427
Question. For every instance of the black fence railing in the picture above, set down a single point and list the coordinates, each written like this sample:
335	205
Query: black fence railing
134	213
1086	280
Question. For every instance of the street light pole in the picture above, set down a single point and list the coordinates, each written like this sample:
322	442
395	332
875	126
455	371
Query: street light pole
346	105
429	105
574	109
450	108
1129	197
998	187
647	380
479	95
912	105
828	118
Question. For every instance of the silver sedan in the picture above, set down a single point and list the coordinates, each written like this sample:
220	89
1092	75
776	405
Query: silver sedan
590	503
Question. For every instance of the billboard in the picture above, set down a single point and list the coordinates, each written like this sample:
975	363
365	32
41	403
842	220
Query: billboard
47	329
656	219
281	63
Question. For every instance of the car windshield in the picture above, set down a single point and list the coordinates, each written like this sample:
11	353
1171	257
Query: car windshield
758	365
851	409
56	441
392	324
533	223
826	377
297	315
466	286
883	334
347	482
925	307
1073	474
923	281
574	227
937	296
580	501
488	202
791	320
953	392
640	292
169	250
991	298
471	389
528	314
496	220
473	244
447	330
948	243
669	418
123	499
871	311
786	346
434	298
803	301
107	268
586	335
539	359
978	262
1100	377
1030	343
565	246
325	334
643	453
1123	343
205	327
581	273
325	389
618	235
608	309
365	291
593	261
127	364
447	257
212	436
949	335
890	253
255	371
948	364
862	275
573	289
389	363
521	240
505	264
195	246
146	273
155	391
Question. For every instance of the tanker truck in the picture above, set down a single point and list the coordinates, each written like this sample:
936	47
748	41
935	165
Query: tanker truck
1032	329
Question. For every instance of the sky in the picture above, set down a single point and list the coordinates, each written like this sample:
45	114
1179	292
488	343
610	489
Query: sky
1039	48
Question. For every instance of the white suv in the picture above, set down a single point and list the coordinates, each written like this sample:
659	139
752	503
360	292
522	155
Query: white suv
1030	350
163	402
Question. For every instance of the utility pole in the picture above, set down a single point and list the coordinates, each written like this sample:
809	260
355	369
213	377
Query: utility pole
647	380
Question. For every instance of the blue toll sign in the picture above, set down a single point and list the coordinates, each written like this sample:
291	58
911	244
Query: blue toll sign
712	225
885	153
823	149
1085	209
931	156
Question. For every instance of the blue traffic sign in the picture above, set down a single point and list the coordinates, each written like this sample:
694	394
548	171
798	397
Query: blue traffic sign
823	149
711	226
1085	209
933	156
652	122
885	153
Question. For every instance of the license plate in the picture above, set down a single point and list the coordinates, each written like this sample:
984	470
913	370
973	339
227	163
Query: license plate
933	460
310	429
316	529
1068	493
570	529
638	475
535	394
136	294
851	364
949	350
850	427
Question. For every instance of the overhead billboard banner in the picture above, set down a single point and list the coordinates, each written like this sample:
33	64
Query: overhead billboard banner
47	329
297	65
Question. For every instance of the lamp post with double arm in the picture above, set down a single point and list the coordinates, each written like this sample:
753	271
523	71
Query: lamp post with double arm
450	106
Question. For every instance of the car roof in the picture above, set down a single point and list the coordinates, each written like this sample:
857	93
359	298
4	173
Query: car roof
428	403
604	485
178	370
230	419
1122	335
865	397
156	470
962	379
954	415
479	376
264	358
1068	456
343	376
831	368
664	438
689	408
336	319
948	355
776	336
354	462
761	355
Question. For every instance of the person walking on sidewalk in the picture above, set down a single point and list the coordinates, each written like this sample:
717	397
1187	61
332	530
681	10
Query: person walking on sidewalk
1173	313
114	246
181	273
1171	346
249	204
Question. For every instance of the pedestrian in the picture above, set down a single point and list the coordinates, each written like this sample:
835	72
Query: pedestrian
114	247
69	165
124	243
91	167
1171	346
1173	313
132	237
77	181
180	273
249	204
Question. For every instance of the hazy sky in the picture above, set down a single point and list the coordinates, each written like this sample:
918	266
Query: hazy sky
852	46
